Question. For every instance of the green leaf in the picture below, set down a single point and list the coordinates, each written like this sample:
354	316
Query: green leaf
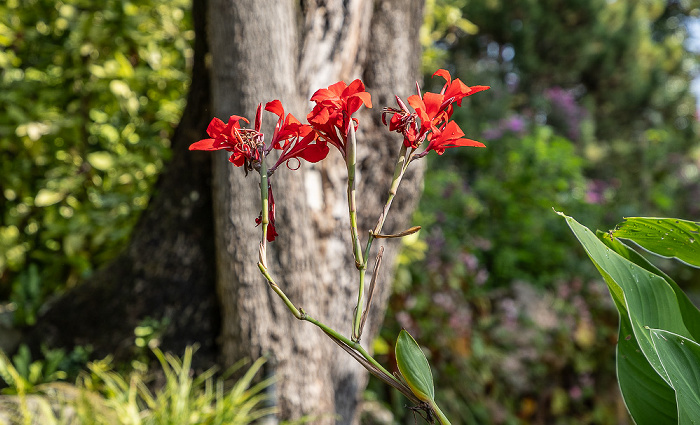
681	359
414	367
101	160
46	197
644	300
666	237
691	315
645	393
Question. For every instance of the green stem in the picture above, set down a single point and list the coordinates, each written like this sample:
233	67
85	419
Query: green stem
351	162
352	344
301	315
441	416
399	170
280	292
360	263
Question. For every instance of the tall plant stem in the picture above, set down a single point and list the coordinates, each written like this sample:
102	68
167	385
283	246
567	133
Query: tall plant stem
399	170
355	348
360	263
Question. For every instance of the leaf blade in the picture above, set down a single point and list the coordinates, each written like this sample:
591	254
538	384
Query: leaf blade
414	367
642	298
680	357
665	237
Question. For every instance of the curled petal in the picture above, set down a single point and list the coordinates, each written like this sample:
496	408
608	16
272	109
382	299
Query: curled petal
216	126
258	118
275	107
444	74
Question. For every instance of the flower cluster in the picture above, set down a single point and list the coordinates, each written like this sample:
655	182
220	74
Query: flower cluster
244	144
332	115
431	120
329	123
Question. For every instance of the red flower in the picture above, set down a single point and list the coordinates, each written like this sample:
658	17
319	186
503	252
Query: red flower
434	111
294	139
456	90
243	143
449	137
332	115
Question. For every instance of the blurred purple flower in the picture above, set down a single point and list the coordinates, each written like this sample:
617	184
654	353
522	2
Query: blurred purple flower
565	110
595	192
513	124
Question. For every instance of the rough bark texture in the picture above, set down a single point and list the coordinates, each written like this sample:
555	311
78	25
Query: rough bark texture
168	270
269	49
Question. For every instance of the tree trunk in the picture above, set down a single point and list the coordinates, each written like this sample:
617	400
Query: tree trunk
269	49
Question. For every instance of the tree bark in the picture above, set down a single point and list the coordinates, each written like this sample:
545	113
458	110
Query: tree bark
268	49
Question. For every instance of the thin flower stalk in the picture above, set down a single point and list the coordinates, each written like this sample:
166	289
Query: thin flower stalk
351	160
399	170
369	362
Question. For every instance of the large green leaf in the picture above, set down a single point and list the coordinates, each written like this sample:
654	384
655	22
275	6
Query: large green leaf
680	357
649	399
644	300
691	315
414	367
667	237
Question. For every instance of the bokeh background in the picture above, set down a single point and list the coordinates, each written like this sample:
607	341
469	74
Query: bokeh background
591	112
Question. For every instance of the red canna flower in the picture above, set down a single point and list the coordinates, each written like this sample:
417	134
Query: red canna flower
294	139
456	90
449	137
332	115
434	111
243	143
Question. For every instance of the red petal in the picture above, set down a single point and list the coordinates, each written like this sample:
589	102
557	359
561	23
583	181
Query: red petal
271	232
315	152
237	159
416	102
275	107
204	145
356	86
444	74
476	89
258	118
338	88
216	126
332	93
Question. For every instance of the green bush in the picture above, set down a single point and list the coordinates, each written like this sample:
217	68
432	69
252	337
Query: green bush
89	96
105	397
493	213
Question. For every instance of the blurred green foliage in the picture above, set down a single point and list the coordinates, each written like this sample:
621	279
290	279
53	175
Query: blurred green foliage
103	396
590	112
90	93
498	210
614	77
